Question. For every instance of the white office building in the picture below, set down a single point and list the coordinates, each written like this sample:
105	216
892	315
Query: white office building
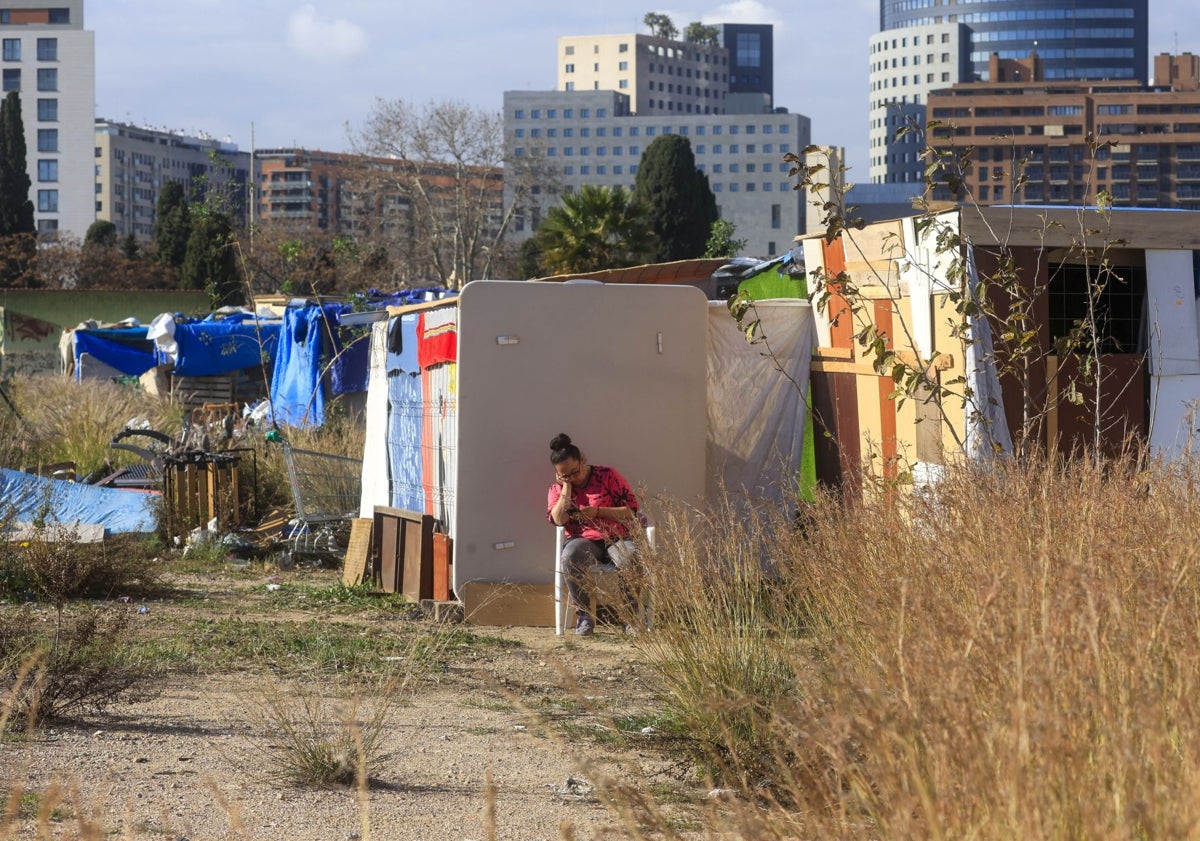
50	59
132	163
592	138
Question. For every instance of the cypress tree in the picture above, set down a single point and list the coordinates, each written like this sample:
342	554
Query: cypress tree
172	225
210	262
682	207
16	209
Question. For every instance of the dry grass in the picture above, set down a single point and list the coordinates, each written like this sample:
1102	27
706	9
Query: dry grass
1015	656
62	420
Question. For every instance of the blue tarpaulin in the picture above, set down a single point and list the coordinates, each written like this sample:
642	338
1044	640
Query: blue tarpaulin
127	349
297	398
32	498
208	348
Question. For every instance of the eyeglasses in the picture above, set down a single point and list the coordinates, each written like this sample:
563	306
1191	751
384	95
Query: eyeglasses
572	474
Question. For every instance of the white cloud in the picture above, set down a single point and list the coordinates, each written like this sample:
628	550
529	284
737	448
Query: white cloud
745	11
324	40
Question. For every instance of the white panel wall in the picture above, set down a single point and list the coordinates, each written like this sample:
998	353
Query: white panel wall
1171	311
619	368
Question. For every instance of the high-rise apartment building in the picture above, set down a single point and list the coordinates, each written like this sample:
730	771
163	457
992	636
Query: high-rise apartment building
1036	141
927	44
617	93
663	75
132	163
50	59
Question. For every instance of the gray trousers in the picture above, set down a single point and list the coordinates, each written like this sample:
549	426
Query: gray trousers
578	555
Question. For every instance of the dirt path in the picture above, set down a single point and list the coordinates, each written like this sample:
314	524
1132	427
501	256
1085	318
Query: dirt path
181	766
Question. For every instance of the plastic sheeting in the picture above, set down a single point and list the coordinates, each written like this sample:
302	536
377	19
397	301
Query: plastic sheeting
297	398
35	498
375	449
755	435
208	348
126	350
406	410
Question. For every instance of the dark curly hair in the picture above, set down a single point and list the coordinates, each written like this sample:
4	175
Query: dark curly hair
562	449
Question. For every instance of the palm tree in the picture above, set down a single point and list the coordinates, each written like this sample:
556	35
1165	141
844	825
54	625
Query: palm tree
595	228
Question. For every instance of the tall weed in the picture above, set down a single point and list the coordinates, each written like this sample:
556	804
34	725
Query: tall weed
1015	654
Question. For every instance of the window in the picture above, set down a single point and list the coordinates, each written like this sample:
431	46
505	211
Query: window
700	149
47	49
623	48
584	113
48	110
60	15
1117	307
519	114
48	201
47	140
12	79
12	49
623	84
47	228
48	171
570	68
519	132
622	65
776	215
569	50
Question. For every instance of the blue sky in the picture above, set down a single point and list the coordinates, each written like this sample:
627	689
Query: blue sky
301	70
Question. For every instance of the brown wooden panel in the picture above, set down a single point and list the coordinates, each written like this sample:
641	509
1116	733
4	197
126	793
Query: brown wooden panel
386	537
1123	412
417	580
837	449
443	554
887	406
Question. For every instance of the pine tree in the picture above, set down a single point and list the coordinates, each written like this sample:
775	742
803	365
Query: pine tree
682	207
172	225
16	209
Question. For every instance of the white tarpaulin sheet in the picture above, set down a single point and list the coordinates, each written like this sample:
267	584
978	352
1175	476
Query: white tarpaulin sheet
756	413
375	456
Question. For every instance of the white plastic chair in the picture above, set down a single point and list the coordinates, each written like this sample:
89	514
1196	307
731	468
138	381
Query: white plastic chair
599	575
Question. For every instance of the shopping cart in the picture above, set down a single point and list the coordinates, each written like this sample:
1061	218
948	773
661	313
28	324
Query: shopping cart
326	490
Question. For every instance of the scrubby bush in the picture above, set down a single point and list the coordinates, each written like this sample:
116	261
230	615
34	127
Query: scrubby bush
76	663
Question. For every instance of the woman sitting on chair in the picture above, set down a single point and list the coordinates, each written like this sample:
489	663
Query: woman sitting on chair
596	507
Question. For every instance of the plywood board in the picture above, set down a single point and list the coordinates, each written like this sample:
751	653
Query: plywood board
493	603
358	552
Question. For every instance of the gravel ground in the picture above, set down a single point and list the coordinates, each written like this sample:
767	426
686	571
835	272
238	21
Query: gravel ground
184	765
